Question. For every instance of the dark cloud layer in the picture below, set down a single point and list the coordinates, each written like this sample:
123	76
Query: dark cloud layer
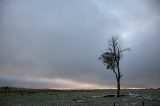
56	44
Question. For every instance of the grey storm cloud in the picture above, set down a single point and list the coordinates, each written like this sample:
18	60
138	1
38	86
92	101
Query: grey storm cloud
56	43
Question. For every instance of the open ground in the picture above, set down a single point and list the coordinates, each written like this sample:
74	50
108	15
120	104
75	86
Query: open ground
47	97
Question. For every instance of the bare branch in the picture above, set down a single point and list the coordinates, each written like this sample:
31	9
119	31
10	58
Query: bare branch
110	50
125	49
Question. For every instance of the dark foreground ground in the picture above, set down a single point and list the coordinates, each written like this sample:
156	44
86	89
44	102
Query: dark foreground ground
36	97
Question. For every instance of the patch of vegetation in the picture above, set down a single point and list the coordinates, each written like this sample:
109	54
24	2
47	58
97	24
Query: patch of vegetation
48	97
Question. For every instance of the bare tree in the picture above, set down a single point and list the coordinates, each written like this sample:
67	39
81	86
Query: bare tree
111	59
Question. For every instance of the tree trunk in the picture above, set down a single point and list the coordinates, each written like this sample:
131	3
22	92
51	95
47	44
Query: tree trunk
118	87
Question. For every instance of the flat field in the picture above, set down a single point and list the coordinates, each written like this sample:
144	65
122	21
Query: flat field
46	97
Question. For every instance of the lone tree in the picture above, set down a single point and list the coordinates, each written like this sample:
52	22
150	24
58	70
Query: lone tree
111	59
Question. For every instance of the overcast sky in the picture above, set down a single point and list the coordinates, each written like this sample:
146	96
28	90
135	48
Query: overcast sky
56	43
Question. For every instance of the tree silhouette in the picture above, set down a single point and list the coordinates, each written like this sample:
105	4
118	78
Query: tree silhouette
111	59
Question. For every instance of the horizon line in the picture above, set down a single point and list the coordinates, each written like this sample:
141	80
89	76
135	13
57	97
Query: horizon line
76	88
